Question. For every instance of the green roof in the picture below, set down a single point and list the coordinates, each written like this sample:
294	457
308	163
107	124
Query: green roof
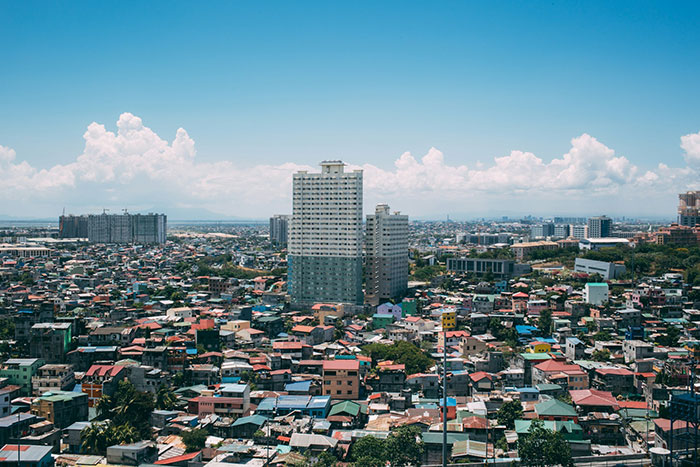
523	426
536	356
346	407
555	408
258	420
55	396
435	437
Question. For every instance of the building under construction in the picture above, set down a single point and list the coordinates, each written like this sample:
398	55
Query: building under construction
115	228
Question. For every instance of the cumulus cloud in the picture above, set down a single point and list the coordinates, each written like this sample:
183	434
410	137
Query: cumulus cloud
691	145
134	166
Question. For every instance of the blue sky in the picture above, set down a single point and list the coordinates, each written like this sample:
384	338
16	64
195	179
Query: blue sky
258	84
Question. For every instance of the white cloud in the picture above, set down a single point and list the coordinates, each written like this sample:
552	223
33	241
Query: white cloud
134	166
691	145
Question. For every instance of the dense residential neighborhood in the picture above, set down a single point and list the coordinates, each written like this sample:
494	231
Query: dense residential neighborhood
190	352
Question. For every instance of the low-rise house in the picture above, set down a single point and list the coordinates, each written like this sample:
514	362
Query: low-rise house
142	452
62	408
555	410
101	380
31	456
19	371
615	380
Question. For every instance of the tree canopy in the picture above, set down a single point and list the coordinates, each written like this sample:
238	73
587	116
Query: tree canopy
509	413
543	448
403	447
404	352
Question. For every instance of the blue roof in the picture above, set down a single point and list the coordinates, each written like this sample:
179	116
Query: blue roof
525	329
532	390
574	340
302	386
319	402
450	401
191	351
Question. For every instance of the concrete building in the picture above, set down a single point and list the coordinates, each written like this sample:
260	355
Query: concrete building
542	230
127	228
341	379
603	242
53	377
72	226
595	293
325	237
599	227
678	235
689	208
522	250
500	268
386	249
606	270
102	379
279	226
579	231
50	341
19	371
61	408
562	230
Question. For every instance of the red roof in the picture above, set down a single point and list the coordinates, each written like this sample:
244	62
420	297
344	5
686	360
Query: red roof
104	370
614	371
594	397
479	375
176	459
341	365
287	345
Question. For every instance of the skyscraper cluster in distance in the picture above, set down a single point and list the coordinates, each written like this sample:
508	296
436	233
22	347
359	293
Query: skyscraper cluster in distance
326	240
115	228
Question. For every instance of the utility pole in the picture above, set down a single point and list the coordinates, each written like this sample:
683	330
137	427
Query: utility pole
444	397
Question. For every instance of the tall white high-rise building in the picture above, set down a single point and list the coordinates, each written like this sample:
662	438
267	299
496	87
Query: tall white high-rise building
325	236
386	250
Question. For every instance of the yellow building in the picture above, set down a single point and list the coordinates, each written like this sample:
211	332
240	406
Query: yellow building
449	319
539	347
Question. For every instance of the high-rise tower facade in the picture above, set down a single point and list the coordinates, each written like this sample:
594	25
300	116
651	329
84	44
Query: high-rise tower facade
689	208
325	236
599	227
386	252
279	227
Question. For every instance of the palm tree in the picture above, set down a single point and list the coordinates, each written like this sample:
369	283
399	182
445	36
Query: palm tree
104	407
124	434
94	438
165	398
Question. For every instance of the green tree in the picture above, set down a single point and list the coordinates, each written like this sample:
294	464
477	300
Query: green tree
325	459
404	352
670	337
404	446
544	448
509	413
601	355
93	439
194	440
544	323
367	447
165	398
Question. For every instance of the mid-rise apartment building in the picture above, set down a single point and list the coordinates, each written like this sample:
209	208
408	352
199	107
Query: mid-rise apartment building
341	379
53	377
386	250
325	237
